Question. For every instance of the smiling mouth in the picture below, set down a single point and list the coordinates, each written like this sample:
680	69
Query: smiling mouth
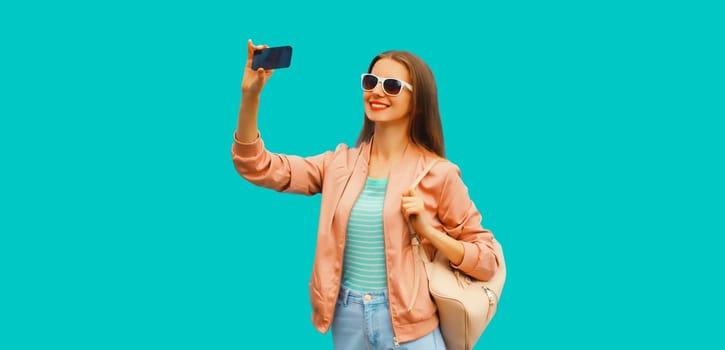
377	106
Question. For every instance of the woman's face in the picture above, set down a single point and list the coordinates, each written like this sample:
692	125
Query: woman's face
381	107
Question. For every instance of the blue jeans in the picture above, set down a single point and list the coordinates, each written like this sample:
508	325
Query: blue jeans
362	322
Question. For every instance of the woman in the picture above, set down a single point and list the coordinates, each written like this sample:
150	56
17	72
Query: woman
364	274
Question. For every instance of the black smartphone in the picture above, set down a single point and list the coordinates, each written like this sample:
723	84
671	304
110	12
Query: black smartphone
272	58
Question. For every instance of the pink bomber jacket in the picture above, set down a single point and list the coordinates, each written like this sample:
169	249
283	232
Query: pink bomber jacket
340	176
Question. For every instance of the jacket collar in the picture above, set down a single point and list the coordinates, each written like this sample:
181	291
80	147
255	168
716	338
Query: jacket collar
413	157
402	174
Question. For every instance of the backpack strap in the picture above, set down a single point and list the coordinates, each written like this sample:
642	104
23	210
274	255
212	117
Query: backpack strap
425	172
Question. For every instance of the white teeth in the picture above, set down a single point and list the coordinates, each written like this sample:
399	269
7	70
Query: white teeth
378	105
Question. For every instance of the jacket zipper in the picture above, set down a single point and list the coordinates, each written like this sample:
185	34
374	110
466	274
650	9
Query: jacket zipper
396	343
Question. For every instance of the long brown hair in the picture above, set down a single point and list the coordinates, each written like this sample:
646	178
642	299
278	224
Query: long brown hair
426	129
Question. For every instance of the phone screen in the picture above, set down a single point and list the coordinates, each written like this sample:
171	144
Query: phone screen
272	58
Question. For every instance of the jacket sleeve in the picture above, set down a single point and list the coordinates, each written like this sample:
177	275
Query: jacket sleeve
462	221
280	172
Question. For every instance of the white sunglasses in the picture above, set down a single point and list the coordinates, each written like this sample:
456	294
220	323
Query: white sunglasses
391	86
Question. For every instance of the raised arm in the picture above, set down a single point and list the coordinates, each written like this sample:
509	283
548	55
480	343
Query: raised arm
280	172
252	84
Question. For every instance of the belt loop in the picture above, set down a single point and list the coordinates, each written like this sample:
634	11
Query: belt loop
345	295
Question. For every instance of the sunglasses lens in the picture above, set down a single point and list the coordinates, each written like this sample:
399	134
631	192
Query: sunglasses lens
392	86
369	81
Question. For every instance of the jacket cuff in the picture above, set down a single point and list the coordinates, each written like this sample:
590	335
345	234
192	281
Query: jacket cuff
470	257
247	150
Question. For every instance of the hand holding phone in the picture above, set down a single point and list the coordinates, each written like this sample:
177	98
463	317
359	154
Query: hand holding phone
272	58
262	56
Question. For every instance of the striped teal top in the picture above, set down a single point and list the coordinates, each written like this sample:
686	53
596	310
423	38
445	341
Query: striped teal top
364	262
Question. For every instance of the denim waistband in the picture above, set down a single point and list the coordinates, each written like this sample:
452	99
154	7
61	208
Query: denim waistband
348	295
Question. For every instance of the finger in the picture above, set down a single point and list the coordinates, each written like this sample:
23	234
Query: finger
409	192
412	210
412	203
251	48
409	214
407	204
250	51
264	74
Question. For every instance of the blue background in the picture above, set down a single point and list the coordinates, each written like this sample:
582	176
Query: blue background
590	135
